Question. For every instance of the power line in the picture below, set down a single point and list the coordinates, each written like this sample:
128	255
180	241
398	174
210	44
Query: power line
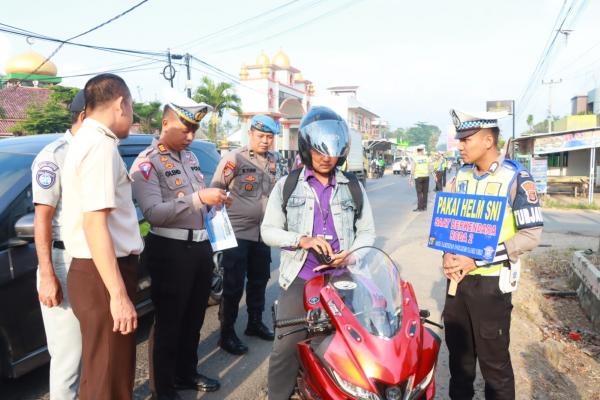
235	25
85	33
342	7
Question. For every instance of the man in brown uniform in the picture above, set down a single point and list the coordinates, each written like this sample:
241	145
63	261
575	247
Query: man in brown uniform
169	188
249	174
101	233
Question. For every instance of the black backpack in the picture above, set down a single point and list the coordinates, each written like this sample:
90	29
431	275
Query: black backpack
357	196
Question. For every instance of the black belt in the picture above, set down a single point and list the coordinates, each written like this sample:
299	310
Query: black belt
58	244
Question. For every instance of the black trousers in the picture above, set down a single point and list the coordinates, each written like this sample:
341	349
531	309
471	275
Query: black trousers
422	186
477	322
444	177
251	260
181	274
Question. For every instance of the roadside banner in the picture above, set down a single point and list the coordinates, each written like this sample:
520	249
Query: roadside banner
467	224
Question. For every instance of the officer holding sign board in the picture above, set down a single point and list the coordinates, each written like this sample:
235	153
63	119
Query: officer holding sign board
478	306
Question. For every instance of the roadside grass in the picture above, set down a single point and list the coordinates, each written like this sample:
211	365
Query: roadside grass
568	203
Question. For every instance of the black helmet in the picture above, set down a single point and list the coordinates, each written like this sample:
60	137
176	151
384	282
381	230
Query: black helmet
323	130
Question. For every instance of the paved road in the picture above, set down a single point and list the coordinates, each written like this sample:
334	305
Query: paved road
401	232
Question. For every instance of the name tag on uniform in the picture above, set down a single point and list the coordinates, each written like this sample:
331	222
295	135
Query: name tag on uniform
326	237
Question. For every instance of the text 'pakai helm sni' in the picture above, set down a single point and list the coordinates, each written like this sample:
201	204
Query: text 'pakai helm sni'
322	130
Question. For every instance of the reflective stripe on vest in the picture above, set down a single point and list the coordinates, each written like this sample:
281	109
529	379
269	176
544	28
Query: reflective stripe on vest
421	166
496	184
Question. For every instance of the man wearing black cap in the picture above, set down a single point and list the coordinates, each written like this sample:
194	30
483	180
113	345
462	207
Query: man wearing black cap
478	305
62	327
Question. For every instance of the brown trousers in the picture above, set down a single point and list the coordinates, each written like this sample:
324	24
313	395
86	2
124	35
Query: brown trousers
108	358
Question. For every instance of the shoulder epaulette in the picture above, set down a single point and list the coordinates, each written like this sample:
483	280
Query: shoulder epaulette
55	145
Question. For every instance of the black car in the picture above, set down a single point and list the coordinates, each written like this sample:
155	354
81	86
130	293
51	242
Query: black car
22	337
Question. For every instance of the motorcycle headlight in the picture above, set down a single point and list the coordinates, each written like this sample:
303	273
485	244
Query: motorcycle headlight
418	390
353	390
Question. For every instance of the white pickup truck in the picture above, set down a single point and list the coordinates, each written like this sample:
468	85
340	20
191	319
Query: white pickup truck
355	162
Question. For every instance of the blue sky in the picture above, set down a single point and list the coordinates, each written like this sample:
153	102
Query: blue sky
413	60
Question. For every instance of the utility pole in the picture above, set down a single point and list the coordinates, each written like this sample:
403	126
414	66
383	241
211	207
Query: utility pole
188	84
550	83
168	71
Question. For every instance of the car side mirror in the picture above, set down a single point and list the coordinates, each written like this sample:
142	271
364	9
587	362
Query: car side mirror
24	227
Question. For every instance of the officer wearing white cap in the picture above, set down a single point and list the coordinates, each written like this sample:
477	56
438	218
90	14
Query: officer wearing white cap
249	174
62	327
420	170
170	190
477	317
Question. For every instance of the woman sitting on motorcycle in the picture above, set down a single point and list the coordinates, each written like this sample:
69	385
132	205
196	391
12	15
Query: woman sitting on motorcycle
319	218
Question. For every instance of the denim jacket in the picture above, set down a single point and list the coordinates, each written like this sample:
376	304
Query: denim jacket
300	216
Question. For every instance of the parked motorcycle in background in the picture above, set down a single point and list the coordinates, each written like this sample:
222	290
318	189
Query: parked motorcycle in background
366	337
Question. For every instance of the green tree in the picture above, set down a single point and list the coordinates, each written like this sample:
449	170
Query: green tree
221	97
530	122
423	133
148	115
49	117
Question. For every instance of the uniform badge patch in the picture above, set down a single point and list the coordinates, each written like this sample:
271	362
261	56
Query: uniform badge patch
162	148
180	194
529	188
145	169
164	159
250	178
462	187
47	165
45	178
229	168
178	182
248	187
169	165
524	174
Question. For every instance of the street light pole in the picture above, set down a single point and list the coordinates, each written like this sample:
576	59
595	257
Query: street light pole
550	83
189	75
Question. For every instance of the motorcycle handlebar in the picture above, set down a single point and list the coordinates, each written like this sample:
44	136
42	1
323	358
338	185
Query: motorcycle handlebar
284	323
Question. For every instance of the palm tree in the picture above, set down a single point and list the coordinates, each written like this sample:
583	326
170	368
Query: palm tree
221	97
148	115
530	122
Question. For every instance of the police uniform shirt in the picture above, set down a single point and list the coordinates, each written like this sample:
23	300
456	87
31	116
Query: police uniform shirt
95	178
166	185
249	177
46	178
524	201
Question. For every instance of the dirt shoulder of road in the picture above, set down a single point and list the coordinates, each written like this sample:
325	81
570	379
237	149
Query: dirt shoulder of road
555	352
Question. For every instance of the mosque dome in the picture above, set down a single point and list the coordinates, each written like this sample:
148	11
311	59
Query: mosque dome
28	63
262	59
244	72
281	59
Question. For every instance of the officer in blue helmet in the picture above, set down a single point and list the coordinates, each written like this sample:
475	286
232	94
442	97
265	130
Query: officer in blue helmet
249	174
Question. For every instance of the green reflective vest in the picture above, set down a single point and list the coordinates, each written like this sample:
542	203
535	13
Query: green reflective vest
421	166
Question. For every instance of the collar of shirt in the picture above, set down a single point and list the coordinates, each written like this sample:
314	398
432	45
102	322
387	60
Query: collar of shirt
310	175
68	136
494	167
97	125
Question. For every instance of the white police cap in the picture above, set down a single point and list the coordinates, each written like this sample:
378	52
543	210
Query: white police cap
186	108
469	124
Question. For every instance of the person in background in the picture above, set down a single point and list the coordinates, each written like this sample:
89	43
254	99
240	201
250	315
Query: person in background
63	335
248	174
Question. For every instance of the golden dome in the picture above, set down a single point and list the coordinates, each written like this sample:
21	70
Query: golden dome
29	62
281	59
244	72
298	76
262	59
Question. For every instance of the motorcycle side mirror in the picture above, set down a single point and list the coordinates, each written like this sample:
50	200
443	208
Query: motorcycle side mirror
424	314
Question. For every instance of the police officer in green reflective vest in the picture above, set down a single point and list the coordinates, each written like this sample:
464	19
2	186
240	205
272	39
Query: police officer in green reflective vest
420	169
477	315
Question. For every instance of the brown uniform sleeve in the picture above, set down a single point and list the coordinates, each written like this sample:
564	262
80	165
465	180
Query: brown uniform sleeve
147	192
225	172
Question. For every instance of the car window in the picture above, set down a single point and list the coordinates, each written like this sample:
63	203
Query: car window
15	174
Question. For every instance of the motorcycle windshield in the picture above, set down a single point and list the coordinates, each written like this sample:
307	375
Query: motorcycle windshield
370	288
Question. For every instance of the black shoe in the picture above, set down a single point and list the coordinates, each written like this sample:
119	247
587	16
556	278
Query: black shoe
257	328
416	209
171	395
198	382
232	344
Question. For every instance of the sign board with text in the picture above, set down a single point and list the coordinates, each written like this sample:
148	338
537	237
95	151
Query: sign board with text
467	224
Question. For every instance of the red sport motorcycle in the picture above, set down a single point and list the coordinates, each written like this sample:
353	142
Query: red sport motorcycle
366	335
